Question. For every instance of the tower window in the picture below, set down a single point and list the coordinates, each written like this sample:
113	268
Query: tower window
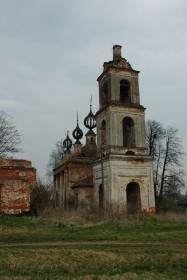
125	91
104	95
128	133
103	133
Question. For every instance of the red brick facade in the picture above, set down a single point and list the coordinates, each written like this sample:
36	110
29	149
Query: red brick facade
16	179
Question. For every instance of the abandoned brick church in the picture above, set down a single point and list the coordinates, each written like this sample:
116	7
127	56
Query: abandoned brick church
114	166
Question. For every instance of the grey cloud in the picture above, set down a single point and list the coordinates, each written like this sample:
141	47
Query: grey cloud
52	53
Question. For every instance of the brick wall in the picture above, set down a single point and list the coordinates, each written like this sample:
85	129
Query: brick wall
16	179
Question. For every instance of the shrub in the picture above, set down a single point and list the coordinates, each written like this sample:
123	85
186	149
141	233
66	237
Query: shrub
167	204
40	198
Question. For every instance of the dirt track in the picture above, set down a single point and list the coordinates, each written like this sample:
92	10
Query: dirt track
98	243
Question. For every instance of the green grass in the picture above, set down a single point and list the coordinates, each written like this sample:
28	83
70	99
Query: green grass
149	248
25	229
93	262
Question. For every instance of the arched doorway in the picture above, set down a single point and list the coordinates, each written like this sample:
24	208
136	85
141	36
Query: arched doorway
101	198
133	198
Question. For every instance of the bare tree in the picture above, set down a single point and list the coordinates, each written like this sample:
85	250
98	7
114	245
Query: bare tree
171	160
55	157
155	134
9	136
176	180
166	150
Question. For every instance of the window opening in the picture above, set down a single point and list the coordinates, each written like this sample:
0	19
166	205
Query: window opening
130	153
104	95
128	133
103	133
125	91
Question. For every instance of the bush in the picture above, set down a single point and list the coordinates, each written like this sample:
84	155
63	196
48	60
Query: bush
40	198
167	204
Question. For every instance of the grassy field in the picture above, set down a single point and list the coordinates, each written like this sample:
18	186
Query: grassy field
132	248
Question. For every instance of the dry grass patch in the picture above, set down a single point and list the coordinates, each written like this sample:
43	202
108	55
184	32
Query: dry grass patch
4	230
172	216
84	263
67	260
15	278
128	276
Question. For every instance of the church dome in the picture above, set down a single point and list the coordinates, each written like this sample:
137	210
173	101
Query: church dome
67	143
90	120
77	132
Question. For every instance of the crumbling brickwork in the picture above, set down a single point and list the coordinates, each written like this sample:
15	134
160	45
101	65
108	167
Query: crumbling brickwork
72	170
16	179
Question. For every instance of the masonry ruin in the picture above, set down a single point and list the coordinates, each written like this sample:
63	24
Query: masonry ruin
17	177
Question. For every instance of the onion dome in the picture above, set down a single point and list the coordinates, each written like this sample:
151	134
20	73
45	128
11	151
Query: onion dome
67	143
77	132
90	121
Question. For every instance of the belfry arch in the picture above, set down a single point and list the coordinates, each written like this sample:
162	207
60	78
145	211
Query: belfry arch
128	132
133	198
125	96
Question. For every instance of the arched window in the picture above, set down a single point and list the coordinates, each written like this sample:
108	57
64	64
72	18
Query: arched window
125	91
133	198
128	133
103	133
130	153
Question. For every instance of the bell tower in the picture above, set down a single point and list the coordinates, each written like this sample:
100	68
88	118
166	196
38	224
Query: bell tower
123	168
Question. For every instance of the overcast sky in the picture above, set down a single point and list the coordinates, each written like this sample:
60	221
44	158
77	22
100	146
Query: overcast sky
52	51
